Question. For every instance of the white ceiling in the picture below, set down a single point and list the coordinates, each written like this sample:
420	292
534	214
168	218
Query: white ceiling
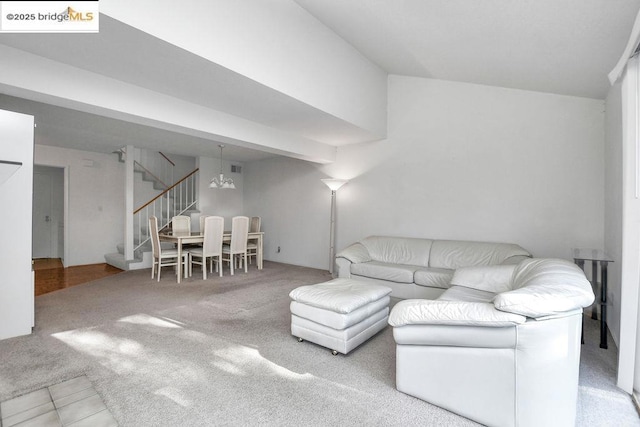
557	46
132	56
58	126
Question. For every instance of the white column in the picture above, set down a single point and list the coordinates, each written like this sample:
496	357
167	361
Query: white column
128	203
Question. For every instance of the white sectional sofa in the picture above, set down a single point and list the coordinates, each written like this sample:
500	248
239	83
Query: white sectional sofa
419	268
501	346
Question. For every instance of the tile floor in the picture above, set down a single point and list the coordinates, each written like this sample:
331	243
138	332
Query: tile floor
71	403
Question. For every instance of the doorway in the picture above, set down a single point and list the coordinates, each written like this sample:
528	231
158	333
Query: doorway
48	212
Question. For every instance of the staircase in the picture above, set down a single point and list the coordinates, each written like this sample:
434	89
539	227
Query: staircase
142	258
146	174
177	199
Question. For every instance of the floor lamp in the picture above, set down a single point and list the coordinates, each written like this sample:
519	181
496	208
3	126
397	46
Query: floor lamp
334	185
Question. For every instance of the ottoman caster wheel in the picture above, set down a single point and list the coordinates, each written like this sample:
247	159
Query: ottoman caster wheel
300	340
334	352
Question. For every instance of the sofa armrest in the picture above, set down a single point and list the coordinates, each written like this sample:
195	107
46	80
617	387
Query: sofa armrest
429	312
546	287
343	268
355	253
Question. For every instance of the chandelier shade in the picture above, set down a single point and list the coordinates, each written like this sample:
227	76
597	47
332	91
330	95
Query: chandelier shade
220	181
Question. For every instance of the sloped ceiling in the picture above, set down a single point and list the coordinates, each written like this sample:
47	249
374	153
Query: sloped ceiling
563	47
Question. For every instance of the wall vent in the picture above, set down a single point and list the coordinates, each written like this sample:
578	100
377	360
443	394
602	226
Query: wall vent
236	168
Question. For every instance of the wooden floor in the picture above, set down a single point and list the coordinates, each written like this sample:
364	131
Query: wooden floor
51	275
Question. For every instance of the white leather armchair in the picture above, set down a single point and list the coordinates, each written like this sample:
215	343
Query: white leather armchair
501	346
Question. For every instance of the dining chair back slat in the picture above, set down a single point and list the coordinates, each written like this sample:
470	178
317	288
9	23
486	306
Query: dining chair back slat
181	224
252	244
163	258
213	231
237	249
254	226
202	219
239	232
155	239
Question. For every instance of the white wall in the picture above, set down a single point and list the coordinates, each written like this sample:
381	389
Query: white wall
613	205
462	161
96	202
295	209
184	165
16	285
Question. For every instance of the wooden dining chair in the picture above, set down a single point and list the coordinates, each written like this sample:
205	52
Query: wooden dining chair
181	224
211	247
163	257
252	243
202	218
237	249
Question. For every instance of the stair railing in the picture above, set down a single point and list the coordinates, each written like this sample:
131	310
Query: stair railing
173	201
150	175
155	164
167	167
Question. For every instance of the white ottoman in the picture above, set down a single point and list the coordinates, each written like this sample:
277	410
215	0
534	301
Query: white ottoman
339	314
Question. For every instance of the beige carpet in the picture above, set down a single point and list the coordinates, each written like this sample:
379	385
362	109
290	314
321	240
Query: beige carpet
219	352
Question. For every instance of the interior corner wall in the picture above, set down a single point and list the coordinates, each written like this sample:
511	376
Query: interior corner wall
613	205
294	206
96	202
462	161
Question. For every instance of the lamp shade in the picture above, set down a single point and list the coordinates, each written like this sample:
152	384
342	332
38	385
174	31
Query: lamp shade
334	184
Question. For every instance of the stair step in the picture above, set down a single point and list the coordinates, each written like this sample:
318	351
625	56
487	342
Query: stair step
144	248
136	254
117	260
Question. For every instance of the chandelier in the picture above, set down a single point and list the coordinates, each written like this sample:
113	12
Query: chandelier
221	181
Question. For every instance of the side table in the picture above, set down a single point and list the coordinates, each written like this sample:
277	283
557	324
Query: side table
596	257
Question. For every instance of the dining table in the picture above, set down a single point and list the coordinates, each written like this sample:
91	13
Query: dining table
194	237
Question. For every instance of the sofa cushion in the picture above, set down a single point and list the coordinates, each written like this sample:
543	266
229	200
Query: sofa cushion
455	254
417	312
384	271
490	278
338	320
433	277
544	287
398	250
461	293
339	295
